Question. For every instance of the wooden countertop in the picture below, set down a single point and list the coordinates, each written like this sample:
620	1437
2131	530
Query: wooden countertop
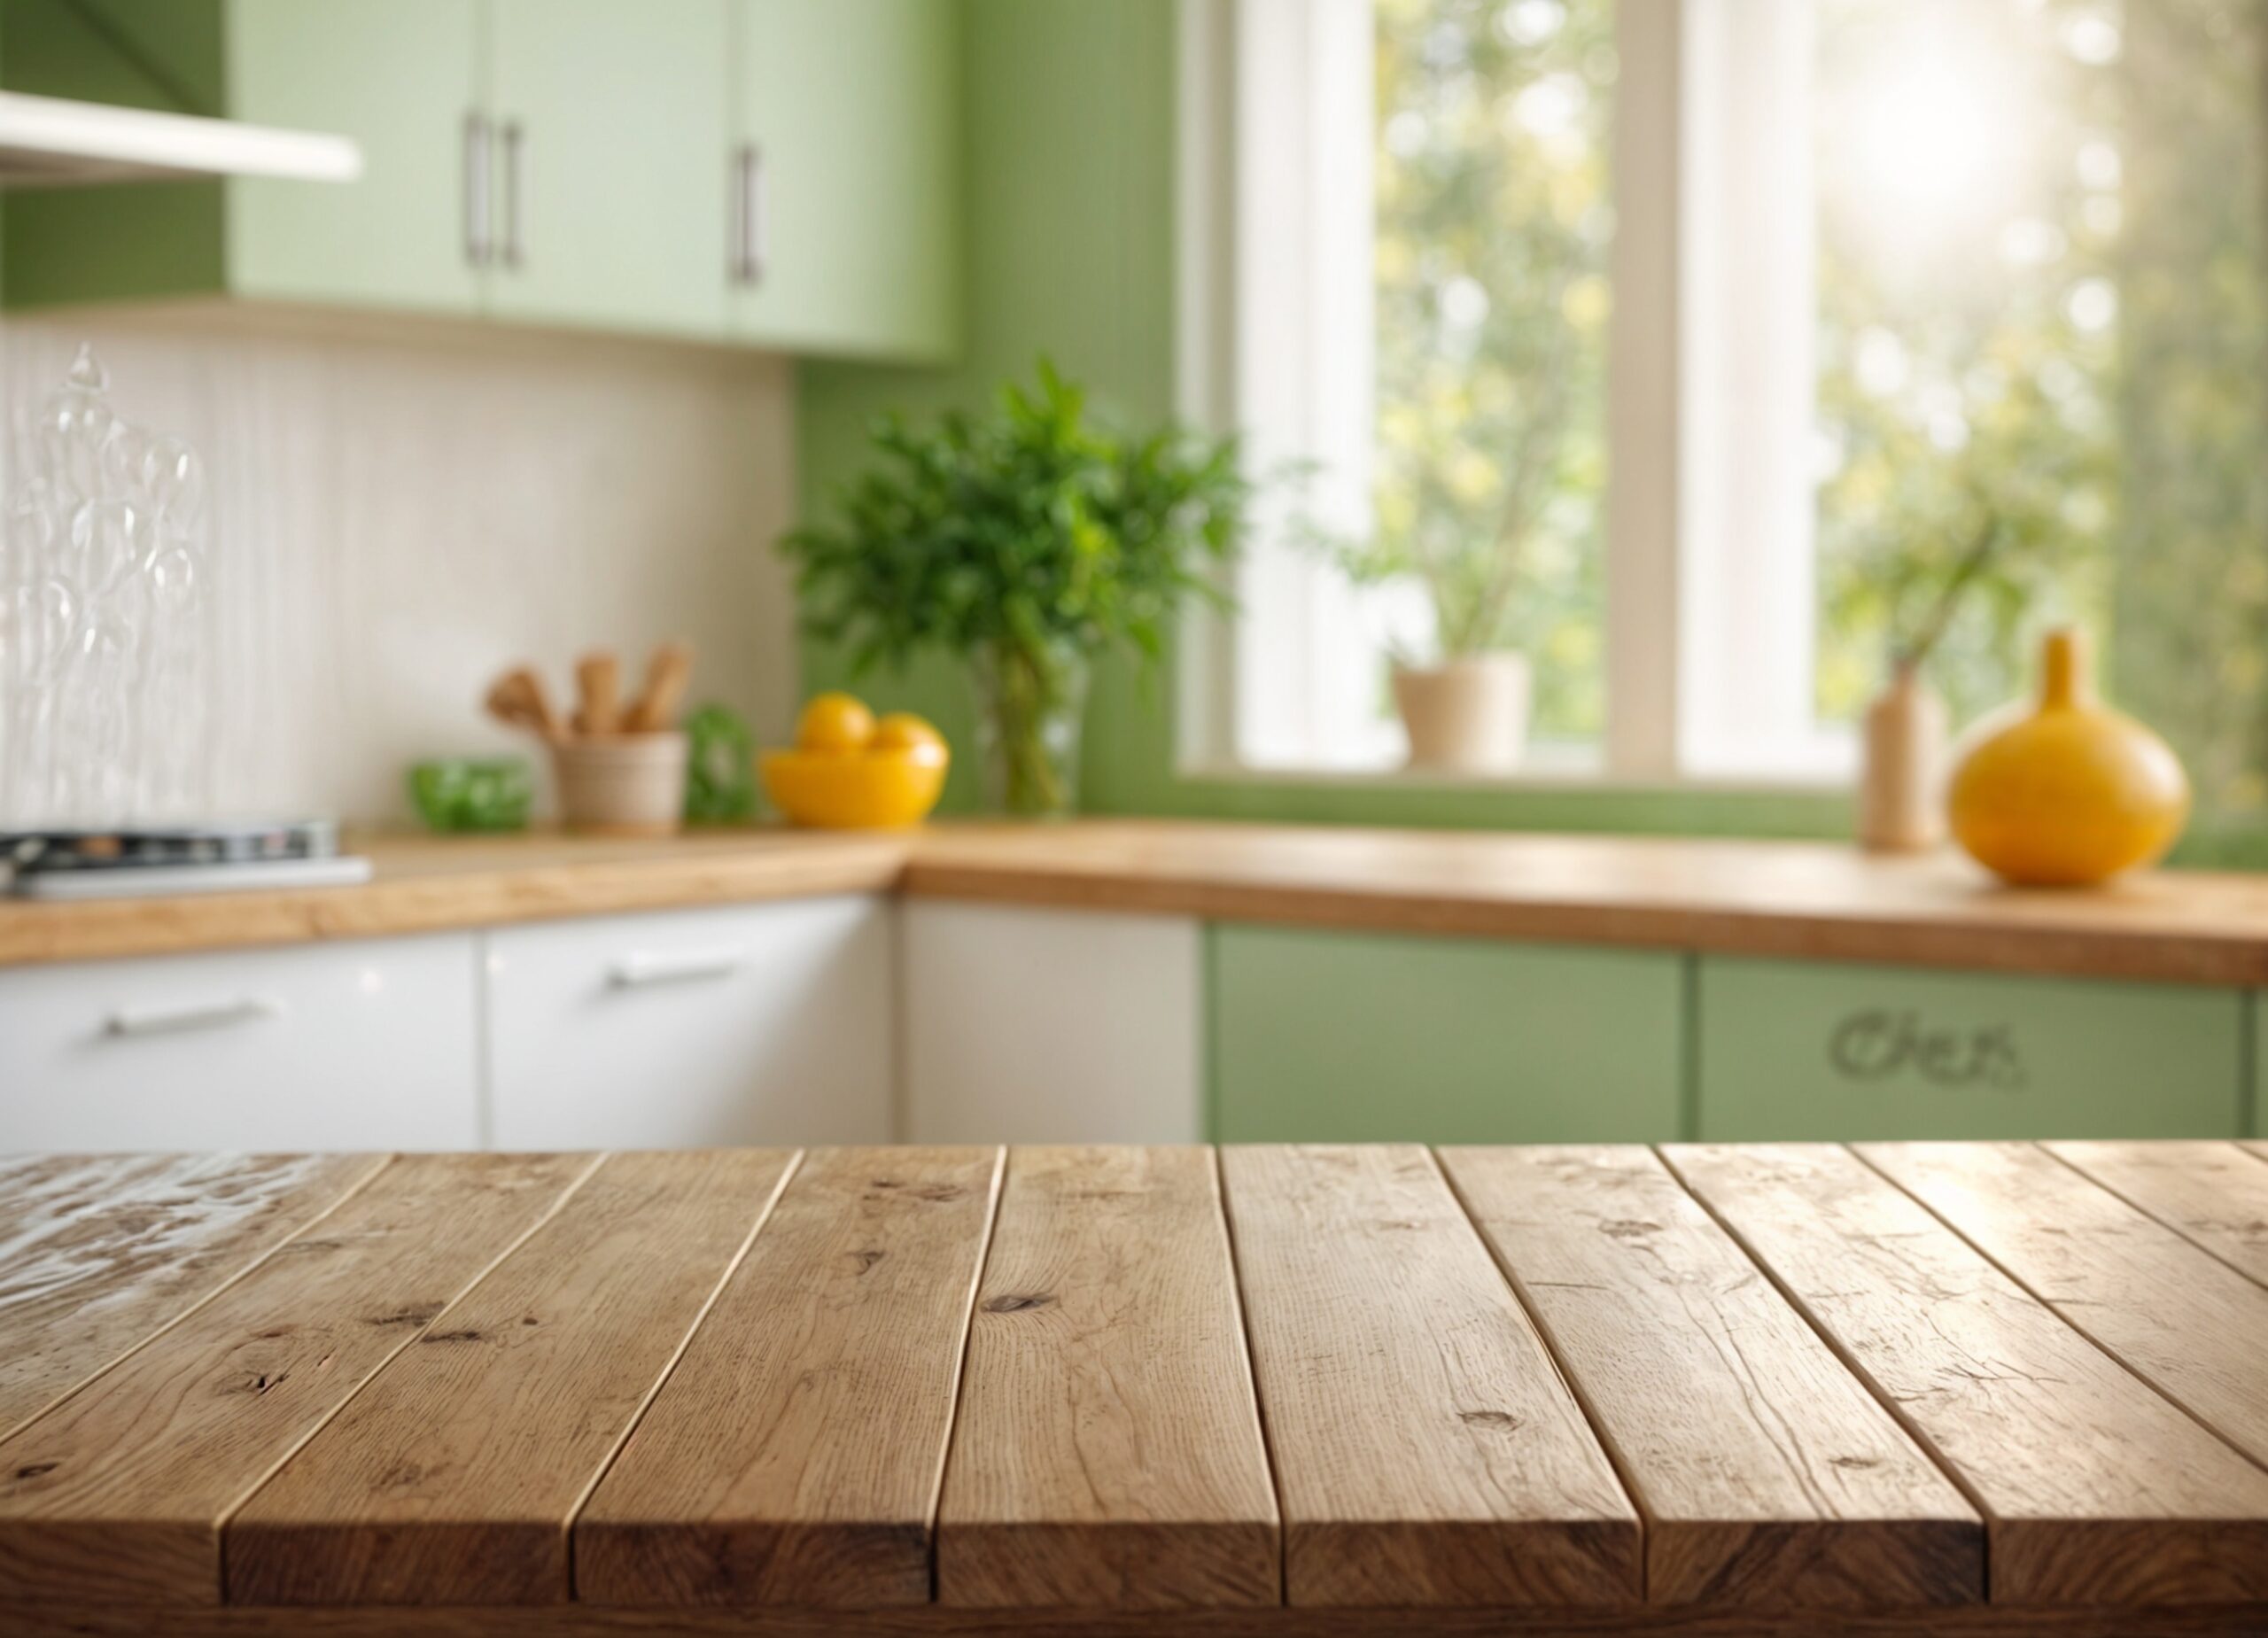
1792	899
1985	1389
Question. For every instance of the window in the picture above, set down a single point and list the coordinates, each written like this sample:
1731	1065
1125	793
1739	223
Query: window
1685	347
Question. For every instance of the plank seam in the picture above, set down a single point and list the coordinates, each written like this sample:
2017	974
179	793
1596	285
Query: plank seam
1251	1375
961	1363
2055	1309
1631	1491
669	1369
2158	1217
379	1164
1923	1443
221	1520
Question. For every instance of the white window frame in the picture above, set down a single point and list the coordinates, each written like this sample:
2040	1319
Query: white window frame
1709	622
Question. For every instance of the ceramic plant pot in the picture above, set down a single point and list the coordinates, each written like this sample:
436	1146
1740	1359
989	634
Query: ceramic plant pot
2071	792
632	785
1467	717
1900	797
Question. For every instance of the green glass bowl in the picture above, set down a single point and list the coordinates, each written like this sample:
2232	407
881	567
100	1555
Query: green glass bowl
459	795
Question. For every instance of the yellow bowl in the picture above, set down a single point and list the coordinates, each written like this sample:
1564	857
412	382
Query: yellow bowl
855	790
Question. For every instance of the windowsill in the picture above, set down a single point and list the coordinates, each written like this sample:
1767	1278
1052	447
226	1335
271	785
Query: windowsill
1574	778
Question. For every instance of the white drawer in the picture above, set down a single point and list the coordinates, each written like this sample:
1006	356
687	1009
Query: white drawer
751	1024
365	1045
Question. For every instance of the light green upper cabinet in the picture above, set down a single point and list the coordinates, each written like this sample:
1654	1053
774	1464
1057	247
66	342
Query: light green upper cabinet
782	174
610	163
844	187
403	79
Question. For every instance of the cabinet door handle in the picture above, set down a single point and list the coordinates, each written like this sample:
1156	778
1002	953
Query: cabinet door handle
515	141
751	231
736	215
638	969
128	1021
476	191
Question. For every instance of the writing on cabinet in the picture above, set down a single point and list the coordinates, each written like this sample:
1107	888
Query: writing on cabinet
1881	1043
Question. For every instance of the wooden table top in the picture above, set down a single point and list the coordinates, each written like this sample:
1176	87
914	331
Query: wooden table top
1805	900
1708	1390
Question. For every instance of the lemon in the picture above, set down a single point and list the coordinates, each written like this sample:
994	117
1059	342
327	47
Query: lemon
917	736
835	722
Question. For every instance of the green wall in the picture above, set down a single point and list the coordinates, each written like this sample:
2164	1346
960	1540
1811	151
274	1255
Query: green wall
1068	123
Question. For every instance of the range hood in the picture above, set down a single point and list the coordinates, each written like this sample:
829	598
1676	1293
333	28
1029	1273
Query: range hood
51	142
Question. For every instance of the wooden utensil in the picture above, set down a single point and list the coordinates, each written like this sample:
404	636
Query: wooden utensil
598	675
667	676
517	700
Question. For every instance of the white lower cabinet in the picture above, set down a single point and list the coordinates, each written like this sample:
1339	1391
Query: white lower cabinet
1051	1026
751	1024
368	1045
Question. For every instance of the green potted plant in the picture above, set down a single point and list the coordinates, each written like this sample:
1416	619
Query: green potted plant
1025	539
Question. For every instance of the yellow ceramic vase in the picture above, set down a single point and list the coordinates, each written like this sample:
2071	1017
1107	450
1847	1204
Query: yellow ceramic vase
2074	792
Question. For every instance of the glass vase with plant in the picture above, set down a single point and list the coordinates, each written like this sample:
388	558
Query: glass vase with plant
1026	539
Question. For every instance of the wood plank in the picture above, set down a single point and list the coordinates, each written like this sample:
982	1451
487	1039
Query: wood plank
117	1494
1426	1450
944	1621
2212	1194
2186	1322
1766	1474
795	1454
1107	1451
99	1252
452	1479
2095	1489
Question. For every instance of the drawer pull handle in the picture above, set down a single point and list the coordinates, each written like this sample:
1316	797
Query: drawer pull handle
515	142
128	1021
636	971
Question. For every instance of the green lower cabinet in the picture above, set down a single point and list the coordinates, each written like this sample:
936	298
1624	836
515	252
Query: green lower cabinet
2259	1045
1362	1037
1800	1050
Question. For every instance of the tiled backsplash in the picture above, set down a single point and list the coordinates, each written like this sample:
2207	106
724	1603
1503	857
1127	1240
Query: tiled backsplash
397	512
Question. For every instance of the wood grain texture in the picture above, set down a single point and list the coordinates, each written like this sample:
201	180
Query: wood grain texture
1769	898
2095	1489
795	1454
1424	1447
452	1479
2186	1322
941	1621
1763	898
99	1252
117	1494
2212	1194
1767	1475
430	884
1107	1451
